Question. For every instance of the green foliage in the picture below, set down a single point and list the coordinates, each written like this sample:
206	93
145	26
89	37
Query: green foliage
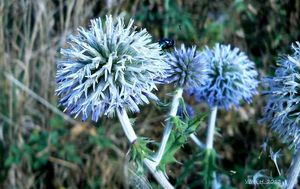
209	166
214	31
183	129
140	151
189	167
29	151
175	21
57	146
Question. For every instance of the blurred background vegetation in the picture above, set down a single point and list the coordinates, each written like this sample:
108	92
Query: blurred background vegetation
41	147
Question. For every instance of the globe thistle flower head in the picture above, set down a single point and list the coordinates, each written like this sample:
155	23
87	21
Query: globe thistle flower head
187	68
231	78
283	106
108	66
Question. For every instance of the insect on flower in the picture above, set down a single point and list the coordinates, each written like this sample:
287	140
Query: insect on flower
166	43
187	68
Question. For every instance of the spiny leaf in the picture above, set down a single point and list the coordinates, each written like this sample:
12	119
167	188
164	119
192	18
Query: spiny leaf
178	137
189	166
209	166
140	151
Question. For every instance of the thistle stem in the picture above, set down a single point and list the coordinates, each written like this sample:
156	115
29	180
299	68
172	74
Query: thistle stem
126	125
294	171
278	169
211	128
168	128
197	141
215	184
130	134
210	137
158	175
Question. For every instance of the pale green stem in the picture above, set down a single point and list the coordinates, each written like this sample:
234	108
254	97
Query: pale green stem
294	170
168	128
210	136
276	165
215	184
130	134
197	141
126	125
158	175
211	128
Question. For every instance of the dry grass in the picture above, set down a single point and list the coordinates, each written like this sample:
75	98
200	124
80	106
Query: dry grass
31	34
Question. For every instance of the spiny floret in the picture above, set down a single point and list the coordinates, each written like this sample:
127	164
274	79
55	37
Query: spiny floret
231	77
187	68
283	106
108	66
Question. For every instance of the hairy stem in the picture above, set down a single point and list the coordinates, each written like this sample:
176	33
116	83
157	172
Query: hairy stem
168	128
126	125
197	141
294	170
210	136
130	134
211	128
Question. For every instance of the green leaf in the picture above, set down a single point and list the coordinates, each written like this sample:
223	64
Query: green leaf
56	122
140	151
209	166
9	161
187	171
99	140
178	137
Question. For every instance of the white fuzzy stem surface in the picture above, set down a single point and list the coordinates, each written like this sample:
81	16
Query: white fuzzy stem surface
211	128
168	128
158	175
130	134
210	137
294	170
197	141
126	125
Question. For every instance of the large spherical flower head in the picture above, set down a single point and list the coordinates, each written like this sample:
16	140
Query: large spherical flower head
187	68
283	106
231	77
108	66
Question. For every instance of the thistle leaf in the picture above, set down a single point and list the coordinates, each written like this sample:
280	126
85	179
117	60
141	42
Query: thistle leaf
178	137
140	151
209	166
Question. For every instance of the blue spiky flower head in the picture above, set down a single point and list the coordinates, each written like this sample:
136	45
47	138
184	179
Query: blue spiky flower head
187	68
231	77
110	65
283	106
